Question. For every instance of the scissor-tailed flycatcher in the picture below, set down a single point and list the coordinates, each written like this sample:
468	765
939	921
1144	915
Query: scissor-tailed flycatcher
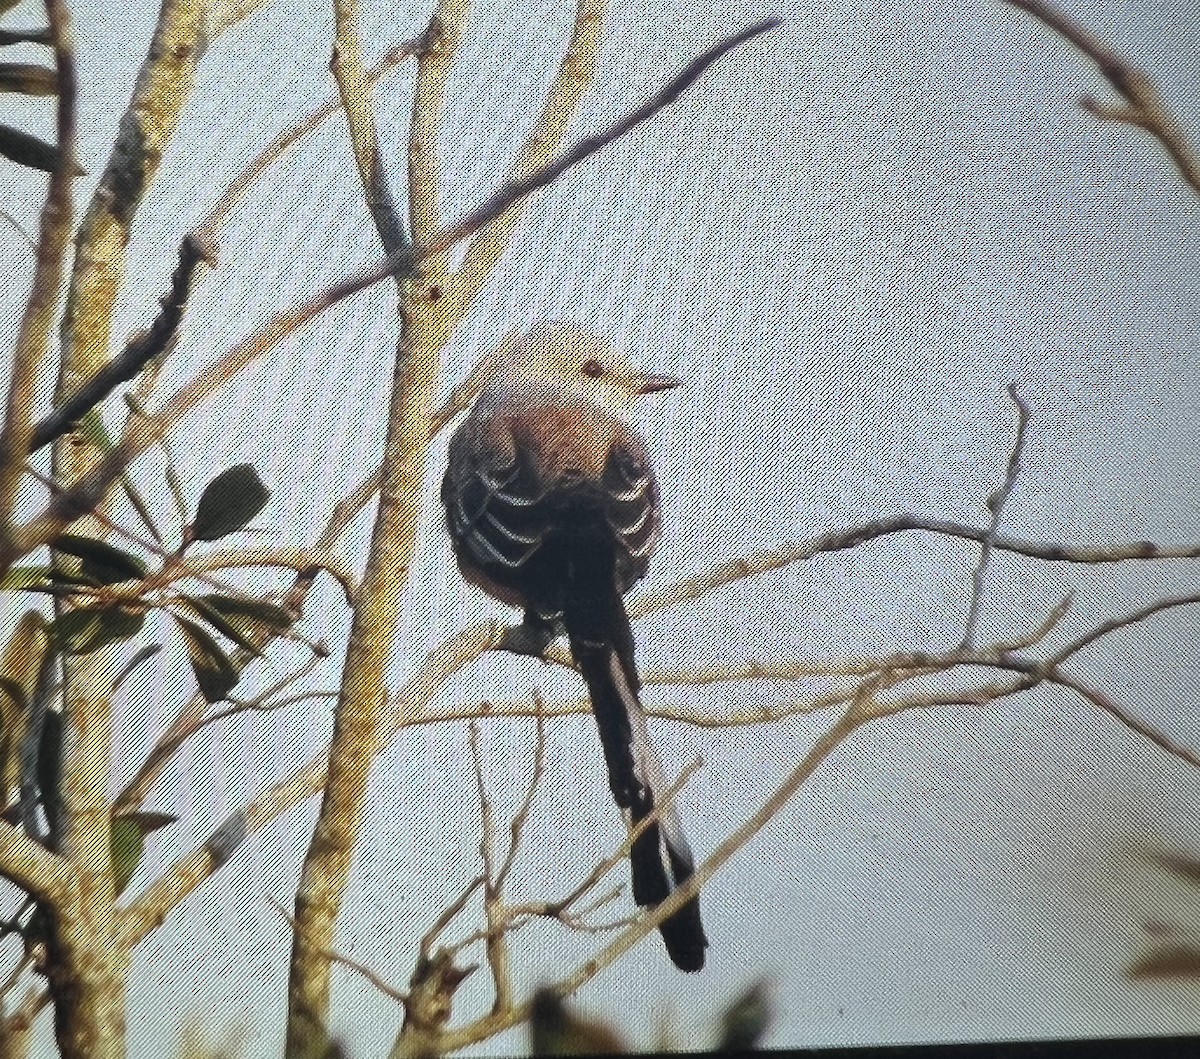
552	506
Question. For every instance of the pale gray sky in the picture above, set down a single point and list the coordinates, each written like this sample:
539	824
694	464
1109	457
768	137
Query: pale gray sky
849	237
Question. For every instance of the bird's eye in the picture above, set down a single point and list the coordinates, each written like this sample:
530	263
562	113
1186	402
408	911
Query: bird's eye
593	369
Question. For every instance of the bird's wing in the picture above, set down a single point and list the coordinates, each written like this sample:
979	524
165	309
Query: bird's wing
632	506
492	498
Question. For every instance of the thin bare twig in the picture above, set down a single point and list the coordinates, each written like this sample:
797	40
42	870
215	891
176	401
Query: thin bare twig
354	89
498	921
995	504
216	217
447	916
148	344
689	588
517	826
19	228
493	1023
1145	108
387	990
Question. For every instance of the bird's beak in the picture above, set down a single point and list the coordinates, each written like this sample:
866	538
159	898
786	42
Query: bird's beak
653	383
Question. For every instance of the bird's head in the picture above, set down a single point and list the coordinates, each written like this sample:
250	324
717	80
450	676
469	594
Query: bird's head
558	355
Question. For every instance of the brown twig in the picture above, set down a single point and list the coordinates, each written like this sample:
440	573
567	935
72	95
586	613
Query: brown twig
517	825
447	916
1145	108
495	936
689	588
495	1022
147	345
150	908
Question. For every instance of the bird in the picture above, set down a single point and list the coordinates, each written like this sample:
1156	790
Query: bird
552	506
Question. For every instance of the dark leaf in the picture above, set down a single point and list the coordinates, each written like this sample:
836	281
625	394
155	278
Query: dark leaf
80	632
140	656
216	675
229	501
148	822
222	624
49	766
101	561
64	579
274	617
14	698
555	1030
1170	961
23	577
29	151
28	79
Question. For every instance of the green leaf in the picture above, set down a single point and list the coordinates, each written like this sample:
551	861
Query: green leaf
128	843
28	79
29	150
24	577
82	631
101	561
222	624
229	501
746	1019
274	617
216	675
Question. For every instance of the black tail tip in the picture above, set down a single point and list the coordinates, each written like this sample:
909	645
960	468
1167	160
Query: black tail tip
684	938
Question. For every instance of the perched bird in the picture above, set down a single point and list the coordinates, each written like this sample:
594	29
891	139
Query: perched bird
552	506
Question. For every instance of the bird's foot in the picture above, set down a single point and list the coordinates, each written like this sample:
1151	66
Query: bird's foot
532	637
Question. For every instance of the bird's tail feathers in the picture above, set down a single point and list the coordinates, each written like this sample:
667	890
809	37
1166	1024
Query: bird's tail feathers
660	858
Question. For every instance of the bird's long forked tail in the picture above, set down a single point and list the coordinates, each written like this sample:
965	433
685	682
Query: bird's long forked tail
660	859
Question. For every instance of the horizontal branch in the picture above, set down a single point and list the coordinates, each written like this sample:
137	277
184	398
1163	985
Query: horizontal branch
690	588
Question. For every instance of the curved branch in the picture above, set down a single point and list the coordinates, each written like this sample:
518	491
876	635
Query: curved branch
1145	108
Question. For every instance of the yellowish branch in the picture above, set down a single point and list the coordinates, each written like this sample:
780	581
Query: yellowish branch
575	74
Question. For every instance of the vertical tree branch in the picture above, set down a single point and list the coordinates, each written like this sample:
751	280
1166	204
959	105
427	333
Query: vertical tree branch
362	708
355	91
33	337
575	74
163	88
